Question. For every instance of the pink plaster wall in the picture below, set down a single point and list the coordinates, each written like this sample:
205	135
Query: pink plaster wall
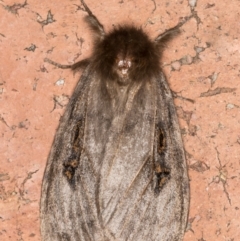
202	67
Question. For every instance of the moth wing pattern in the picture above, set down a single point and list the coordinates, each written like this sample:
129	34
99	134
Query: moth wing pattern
76	209
117	170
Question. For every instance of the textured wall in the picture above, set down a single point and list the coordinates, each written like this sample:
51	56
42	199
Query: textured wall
202	68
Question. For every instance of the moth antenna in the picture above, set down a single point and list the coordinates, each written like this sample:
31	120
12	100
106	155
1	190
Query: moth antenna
171	33
93	22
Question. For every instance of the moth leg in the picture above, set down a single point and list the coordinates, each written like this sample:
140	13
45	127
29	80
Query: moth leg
162	172
61	66
72	162
79	65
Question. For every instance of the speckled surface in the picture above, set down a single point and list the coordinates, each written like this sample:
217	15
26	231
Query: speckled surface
202	68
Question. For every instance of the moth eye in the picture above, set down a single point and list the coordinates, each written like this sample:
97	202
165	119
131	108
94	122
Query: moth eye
135	60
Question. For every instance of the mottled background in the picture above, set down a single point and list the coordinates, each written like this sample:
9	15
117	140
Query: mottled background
203	70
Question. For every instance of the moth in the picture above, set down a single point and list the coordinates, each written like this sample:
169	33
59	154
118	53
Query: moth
116	170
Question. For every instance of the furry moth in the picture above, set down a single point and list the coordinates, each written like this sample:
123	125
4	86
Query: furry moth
117	169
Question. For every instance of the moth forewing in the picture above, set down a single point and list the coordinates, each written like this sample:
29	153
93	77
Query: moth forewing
116	170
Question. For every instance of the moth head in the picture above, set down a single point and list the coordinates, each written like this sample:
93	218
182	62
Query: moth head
125	55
